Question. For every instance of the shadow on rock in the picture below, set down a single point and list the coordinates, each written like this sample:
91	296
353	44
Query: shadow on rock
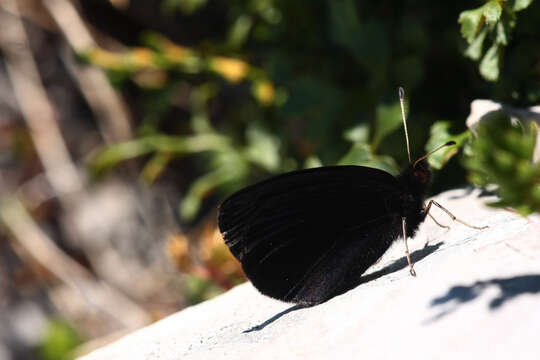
352	283
509	289
467	191
275	317
394	266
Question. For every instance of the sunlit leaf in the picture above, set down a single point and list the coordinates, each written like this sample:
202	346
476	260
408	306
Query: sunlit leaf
388	119
489	66
358	154
494	21
471	21
155	167
521	4
359	133
440	134
239	31
361	154
264	92
233	70
474	50
200	189
312	162
179	145
492	11
263	148
60	340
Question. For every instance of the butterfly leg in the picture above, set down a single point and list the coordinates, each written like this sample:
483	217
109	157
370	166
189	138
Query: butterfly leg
451	215
404	228
436	222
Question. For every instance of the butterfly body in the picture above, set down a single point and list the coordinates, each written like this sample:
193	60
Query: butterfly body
308	235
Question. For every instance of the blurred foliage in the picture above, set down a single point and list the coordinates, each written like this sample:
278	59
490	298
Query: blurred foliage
185	6
501	153
198	289
204	257
440	134
286	85
495	20
61	339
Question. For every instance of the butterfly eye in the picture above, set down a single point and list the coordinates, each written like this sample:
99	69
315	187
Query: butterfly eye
421	176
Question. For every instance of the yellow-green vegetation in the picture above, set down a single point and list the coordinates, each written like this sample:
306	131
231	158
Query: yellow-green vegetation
61	339
292	84
502	154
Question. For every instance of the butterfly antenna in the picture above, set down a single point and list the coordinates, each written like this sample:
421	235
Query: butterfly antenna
450	143
401	102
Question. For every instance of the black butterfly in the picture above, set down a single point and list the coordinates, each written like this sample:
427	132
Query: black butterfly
308	235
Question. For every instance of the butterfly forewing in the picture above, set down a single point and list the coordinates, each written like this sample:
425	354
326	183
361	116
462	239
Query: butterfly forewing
298	235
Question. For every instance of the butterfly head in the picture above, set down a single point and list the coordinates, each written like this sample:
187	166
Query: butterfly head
421	172
416	177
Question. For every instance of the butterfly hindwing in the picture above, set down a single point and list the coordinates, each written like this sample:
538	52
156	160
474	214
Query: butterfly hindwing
299	234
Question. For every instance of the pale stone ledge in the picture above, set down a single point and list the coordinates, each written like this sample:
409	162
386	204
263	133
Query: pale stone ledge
477	295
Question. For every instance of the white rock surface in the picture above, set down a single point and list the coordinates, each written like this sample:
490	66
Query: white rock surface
477	295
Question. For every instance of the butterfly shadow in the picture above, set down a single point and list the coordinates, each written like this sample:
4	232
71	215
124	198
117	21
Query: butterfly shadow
275	317
390	268
469	190
394	266
509	288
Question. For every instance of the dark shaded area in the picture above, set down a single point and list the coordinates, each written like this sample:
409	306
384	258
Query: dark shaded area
470	189
397	265
509	289
275	317
141	16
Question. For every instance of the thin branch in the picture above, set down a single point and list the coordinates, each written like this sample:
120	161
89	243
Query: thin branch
34	104
97	294
107	105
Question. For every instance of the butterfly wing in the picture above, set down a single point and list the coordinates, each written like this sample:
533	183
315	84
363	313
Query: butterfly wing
298	235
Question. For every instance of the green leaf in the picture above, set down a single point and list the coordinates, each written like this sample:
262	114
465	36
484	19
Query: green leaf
494	20
474	50
471	21
200	189
155	167
358	154
440	134
501	37
227	168
387	119
263	148
239	31
361	154
61	338
179	145
358	133
521	4
489	66
492	11
312	162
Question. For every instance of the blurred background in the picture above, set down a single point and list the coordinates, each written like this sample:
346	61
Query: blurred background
123	123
